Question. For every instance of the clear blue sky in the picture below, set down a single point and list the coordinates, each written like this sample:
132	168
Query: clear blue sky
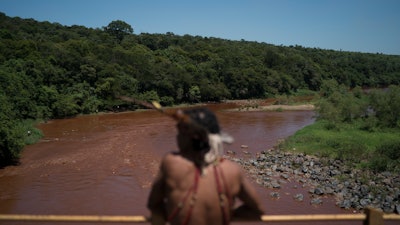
349	25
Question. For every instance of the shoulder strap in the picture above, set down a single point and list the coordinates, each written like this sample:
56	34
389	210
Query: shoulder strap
224	197
181	204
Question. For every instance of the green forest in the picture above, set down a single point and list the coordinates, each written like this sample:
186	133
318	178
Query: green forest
48	71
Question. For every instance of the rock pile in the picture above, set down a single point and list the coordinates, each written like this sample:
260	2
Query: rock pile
352	188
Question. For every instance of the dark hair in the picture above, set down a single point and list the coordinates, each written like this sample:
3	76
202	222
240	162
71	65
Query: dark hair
205	118
202	121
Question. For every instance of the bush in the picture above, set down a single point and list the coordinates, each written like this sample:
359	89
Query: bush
346	147
65	106
13	137
386	106
167	100
149	96
30	134
11	143
378	164
370	124
390	149
91	105
386	157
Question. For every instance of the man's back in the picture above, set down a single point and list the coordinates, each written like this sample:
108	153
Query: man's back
203	197
194	189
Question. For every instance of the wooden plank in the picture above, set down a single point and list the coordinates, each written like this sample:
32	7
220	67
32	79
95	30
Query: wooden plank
371	217
391	216
317	217
69	218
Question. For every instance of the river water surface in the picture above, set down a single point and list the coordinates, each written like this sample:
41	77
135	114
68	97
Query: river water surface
104	164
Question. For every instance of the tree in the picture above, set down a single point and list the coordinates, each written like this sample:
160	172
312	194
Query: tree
118	29
11	139
386	105
194	93
65	106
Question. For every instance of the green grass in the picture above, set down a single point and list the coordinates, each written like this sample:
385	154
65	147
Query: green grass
29	132
345	142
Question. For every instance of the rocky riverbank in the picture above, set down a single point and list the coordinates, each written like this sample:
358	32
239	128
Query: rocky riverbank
351	187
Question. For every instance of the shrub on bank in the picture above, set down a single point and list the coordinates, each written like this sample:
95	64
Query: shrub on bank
386	157
355	126
14	135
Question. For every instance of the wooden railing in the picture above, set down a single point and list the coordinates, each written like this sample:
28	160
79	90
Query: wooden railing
370	217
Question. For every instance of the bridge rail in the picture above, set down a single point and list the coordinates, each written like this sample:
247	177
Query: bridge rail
370	217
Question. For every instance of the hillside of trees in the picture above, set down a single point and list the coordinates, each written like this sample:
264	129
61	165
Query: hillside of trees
48	70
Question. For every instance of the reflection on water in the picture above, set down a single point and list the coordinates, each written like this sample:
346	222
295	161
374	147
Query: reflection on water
104	164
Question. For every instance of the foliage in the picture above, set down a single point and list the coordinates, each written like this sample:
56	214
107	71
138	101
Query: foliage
356	126
338	104
194	93
52	71
10	143
386	106
30	134
14	134
119	29
386	157
379	108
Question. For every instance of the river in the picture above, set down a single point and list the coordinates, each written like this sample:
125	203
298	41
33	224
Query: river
104	164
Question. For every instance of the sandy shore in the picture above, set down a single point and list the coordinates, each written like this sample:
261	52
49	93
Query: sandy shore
268	105
287	107
275	108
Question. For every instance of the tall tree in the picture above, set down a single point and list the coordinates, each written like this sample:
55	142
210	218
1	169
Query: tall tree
118	29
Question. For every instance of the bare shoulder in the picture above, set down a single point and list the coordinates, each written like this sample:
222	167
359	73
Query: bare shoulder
171	157
231	167
174	161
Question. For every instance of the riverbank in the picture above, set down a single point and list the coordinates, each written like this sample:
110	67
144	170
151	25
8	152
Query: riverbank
303	103
352	188
277	108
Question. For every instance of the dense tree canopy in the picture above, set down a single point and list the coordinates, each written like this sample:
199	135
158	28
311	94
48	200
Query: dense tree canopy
119	29
52	71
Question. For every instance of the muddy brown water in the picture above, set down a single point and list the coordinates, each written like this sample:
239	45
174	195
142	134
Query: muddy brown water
104	164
